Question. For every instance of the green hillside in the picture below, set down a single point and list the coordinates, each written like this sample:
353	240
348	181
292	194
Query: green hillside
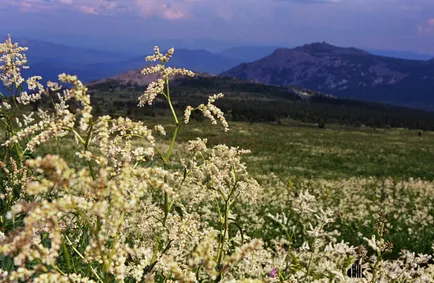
256	102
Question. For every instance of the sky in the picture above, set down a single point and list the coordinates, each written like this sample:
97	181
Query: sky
114	24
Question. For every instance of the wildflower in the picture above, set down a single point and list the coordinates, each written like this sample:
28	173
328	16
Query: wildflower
12	60
210	111
160	129
5	105
153	89
187	114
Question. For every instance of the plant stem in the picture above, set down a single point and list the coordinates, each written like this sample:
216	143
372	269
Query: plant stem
82	257
172	144
223	238
166	214
166	206
170	102
86	146
66	255
228	203
308	265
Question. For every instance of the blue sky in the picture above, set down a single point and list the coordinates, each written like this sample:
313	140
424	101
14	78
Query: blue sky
379	24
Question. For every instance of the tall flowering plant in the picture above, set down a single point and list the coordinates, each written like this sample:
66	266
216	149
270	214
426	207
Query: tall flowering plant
119	214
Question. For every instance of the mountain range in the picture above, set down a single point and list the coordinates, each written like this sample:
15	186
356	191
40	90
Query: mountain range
41	51
50	59
346	72
253	53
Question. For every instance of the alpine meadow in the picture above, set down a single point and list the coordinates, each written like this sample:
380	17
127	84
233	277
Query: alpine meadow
172	190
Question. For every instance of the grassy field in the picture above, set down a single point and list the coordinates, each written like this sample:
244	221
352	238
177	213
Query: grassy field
346	169
360	172
295	150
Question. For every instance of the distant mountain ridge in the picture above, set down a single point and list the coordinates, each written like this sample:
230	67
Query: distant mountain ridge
249	53
195	60
41	51
50	59
401	54
346	72
252	53
136	78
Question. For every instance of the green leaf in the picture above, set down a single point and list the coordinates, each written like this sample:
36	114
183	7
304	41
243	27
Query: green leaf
236	224
178	210
149	164
30	155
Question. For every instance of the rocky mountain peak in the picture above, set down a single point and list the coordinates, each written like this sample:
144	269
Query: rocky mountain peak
321	48
344	71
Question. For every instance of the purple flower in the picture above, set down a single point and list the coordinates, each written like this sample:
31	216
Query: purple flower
273	272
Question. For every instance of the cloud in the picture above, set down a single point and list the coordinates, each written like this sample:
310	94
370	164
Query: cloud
226	10
29	5
170	10
166	9
312	1
89	10
426	28
94	7
173	15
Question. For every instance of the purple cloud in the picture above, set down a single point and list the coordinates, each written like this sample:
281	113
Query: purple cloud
427	27
395	24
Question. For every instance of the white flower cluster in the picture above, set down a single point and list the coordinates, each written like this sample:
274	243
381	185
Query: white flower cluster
12	60
210	111
156	88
